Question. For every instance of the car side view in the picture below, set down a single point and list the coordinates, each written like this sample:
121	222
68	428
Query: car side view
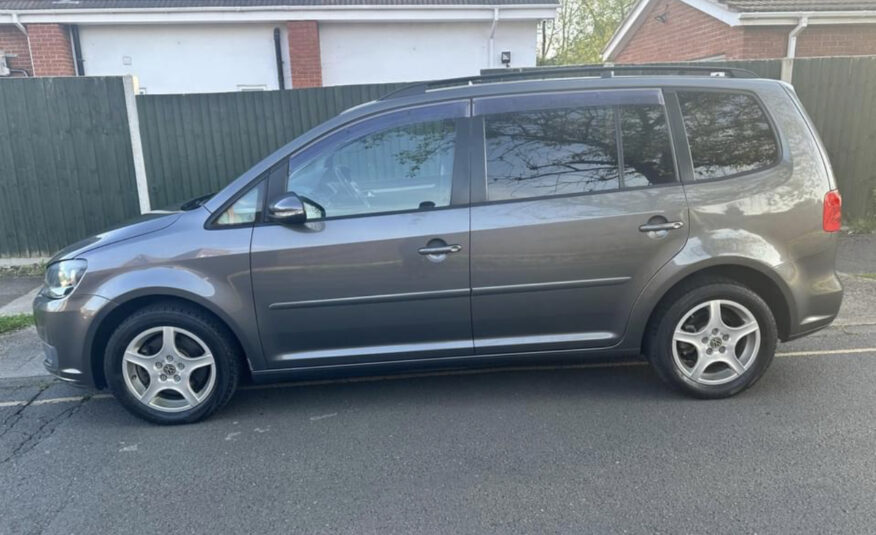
687	214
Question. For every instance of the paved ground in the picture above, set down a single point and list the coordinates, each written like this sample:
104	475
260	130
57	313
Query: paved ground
585	449
11	288
574	450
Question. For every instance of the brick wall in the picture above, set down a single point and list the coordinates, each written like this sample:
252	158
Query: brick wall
13	41
847	40
687	34
690	34
51	50
304	55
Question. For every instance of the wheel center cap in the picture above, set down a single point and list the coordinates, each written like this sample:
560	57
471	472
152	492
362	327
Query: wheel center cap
169	369
716	342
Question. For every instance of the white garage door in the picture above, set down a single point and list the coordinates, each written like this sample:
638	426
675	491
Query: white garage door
186	58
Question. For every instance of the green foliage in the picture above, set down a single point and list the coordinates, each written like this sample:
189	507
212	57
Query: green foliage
37	269
580	31
863	225
13	323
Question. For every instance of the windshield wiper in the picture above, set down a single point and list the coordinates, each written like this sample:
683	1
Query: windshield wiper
196	202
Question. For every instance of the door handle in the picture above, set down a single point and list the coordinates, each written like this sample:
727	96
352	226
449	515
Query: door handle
446	249
657	227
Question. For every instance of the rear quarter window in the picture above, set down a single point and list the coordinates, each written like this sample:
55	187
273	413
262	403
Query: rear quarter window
729	134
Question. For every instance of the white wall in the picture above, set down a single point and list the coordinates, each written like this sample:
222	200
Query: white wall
176	58
357	53
184	58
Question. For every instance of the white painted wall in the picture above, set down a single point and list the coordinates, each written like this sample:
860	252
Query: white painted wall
359	53
204	58
176	58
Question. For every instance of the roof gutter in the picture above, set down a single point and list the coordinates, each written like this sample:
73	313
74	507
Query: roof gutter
272	14
787	18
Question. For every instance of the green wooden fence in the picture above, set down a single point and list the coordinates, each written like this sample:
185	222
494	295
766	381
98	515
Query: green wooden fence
66	169
840	96
196	144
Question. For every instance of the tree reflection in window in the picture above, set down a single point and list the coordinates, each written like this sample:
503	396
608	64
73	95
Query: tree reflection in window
407	167
728	134
550	152
647	151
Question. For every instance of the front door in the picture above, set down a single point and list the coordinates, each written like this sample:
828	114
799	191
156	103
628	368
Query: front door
384	274
576	204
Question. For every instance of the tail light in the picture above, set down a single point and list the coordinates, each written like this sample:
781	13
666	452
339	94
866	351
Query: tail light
832	218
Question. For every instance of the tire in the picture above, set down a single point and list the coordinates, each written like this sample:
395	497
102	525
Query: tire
696	355
190	379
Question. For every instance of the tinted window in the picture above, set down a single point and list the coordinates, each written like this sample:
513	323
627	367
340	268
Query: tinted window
406	167
728	134
646	146
550	152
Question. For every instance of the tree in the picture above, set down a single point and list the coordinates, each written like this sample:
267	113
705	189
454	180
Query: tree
580	31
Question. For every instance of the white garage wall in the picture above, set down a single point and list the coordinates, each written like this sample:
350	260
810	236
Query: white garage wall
358	53
186	58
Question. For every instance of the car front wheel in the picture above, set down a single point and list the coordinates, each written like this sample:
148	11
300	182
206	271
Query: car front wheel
171	363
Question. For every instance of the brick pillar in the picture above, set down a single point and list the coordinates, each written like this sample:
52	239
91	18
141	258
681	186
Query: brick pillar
51	51
304	54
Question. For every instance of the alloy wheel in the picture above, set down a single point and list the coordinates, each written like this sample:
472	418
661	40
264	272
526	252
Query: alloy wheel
716	342
169	369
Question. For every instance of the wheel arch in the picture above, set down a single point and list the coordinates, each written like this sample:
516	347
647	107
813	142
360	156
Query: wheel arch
755	276
106	323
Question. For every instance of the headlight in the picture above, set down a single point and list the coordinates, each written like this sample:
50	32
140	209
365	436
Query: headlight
63	277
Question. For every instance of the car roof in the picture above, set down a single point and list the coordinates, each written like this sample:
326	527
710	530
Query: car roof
420	94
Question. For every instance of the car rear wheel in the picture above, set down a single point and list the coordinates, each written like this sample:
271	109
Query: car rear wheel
712	339
171	363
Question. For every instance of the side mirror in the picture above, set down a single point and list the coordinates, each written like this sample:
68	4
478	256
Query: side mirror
287	208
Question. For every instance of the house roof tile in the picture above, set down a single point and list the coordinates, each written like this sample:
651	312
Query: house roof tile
763	6
26	5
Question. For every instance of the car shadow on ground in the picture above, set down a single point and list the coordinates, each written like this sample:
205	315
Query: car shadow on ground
469	389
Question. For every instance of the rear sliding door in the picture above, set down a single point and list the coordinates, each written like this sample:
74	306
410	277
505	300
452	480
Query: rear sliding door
576	204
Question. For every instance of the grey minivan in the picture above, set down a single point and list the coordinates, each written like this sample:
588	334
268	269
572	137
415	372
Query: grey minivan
685	216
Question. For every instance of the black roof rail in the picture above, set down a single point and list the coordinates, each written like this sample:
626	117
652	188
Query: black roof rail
537	73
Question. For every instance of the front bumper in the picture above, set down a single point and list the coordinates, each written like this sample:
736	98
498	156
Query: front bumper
66	327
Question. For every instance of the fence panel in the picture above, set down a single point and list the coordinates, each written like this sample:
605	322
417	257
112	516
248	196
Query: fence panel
66	167
839	95
195	144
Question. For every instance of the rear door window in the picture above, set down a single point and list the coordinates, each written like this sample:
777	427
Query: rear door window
588	142
647	149
551	152
729	134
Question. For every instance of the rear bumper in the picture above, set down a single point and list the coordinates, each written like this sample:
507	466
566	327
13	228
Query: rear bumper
65	328
818	304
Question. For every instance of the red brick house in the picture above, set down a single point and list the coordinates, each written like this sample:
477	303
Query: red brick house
193	46
690	30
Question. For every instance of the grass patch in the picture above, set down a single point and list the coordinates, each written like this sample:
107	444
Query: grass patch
14	323
863	225
868	275
37	269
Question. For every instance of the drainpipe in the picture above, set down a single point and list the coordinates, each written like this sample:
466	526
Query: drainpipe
17	23
788	60
492	60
